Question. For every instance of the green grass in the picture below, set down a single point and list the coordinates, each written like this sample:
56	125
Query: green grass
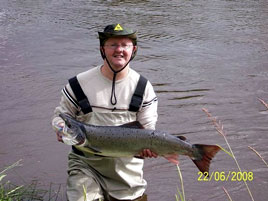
29	192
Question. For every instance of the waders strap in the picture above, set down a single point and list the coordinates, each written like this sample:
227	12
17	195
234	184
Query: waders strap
137	97
80	96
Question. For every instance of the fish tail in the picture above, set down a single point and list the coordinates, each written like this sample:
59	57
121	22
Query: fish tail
205	154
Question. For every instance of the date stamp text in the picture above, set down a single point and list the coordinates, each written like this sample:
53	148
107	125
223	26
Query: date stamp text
225	176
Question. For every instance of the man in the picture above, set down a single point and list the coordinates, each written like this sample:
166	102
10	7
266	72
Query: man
111	94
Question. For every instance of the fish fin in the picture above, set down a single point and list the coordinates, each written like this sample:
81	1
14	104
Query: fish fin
133	124
94	149
173	158
182	138
207	153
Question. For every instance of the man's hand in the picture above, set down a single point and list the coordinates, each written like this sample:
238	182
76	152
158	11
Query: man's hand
59	130
147	153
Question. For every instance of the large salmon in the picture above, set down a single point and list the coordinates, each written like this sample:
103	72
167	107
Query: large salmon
130	139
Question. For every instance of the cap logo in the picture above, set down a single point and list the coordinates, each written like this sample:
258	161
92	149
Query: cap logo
118	28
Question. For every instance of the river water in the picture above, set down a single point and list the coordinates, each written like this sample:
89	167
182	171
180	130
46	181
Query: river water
198	54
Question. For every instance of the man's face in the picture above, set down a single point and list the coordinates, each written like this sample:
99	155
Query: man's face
118	51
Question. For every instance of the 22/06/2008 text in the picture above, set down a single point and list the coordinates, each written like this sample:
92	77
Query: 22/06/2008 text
225	176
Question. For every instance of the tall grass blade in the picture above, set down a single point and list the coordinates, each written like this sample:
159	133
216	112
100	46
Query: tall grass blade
50	190
182	195
264	103
57	194
85	192
258	154
177	199
229	197
227	152
14	190
2	177
16	164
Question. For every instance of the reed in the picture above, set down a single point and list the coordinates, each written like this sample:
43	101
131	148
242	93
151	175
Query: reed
228	195
264	103
85	193
259	155
180	191
219	127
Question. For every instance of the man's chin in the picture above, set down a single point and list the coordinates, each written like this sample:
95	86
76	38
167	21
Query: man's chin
118	66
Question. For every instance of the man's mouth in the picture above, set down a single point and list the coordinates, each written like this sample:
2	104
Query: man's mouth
118	56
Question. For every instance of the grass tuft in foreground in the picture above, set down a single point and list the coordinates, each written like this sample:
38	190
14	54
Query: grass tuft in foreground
29	192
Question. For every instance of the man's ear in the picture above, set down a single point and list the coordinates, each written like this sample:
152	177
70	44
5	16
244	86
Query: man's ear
134	52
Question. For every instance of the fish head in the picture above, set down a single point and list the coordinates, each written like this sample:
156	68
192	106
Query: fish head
72	126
